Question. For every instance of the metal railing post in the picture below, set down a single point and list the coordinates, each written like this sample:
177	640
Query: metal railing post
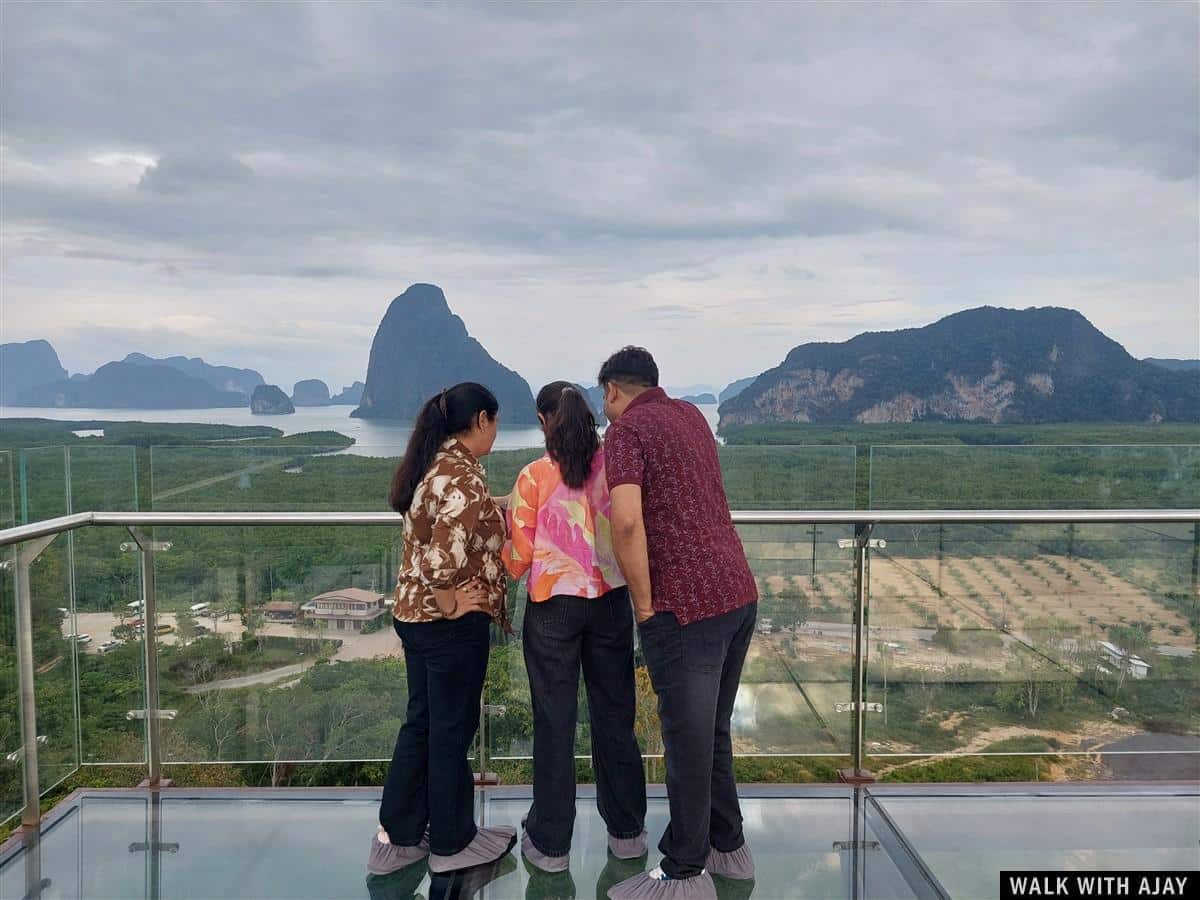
861	535
857	774
484	776
146	547
482	742
1195	563
154	848
31	815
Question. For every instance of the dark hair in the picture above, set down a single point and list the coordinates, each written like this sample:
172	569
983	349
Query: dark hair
451	412
571	438
630	366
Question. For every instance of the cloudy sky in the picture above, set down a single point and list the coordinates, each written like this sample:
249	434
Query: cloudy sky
253	183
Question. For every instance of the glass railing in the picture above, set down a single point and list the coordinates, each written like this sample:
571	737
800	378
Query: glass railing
254	477
275	643
789	477
1055	646
73	582
264	477
788	704
1081	476
1065	639
105	583
10	708
795	688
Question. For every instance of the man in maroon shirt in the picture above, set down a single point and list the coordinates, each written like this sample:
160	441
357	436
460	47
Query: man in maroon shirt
695	600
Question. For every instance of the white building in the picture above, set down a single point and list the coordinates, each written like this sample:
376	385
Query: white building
1135	665
346	609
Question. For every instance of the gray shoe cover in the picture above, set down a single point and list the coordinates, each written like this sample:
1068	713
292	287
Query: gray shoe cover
628	848
736	864
537	858
647	887
385	859
488	846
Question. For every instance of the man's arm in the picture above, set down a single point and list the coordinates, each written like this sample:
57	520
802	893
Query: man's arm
629	545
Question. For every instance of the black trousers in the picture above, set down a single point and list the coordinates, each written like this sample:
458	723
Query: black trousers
695	671
429	782
560	635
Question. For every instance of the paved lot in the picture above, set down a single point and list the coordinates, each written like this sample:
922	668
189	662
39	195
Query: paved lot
1154	757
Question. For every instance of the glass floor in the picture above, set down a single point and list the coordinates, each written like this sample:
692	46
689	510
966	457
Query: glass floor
883	842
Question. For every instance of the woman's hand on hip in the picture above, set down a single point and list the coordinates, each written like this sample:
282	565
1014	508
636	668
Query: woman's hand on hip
468	598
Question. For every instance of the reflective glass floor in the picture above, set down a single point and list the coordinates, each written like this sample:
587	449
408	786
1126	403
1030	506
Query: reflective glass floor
886	842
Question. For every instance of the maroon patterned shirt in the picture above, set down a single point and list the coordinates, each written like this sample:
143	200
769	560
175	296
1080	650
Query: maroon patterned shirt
698	568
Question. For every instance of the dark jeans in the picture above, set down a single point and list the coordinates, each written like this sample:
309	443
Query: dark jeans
560	635
429	781
695	671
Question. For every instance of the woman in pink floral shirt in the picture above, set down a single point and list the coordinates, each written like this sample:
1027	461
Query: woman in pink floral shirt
578	617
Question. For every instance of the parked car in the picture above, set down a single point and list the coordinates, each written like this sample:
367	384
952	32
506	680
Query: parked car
109	646
164	629
80	639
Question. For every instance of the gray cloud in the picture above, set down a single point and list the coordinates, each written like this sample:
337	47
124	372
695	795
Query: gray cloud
192	174
587	166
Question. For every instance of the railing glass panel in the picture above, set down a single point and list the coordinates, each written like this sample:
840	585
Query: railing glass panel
10	714
1066	641
275	644
42	491
1131	476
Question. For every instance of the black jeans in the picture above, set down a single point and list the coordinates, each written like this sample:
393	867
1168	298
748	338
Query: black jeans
429	781
560	635
695	671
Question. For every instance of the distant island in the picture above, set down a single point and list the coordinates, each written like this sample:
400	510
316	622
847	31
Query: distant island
223	378
128	385
310	392
1037	365
735	388
31	375
349	396
270	400
27	365
989	365
420	348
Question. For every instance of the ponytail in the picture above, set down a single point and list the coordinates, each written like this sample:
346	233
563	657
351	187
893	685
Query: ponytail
451	412
571	438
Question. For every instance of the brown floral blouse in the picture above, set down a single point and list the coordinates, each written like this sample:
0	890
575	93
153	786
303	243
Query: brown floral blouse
453	533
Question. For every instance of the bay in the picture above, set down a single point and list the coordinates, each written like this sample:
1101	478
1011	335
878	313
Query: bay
372	437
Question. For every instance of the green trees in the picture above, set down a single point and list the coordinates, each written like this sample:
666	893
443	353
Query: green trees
185	627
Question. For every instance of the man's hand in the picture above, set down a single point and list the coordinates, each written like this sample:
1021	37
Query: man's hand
629	545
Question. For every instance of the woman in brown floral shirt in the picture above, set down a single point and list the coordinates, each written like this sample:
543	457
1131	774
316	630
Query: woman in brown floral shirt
450	588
